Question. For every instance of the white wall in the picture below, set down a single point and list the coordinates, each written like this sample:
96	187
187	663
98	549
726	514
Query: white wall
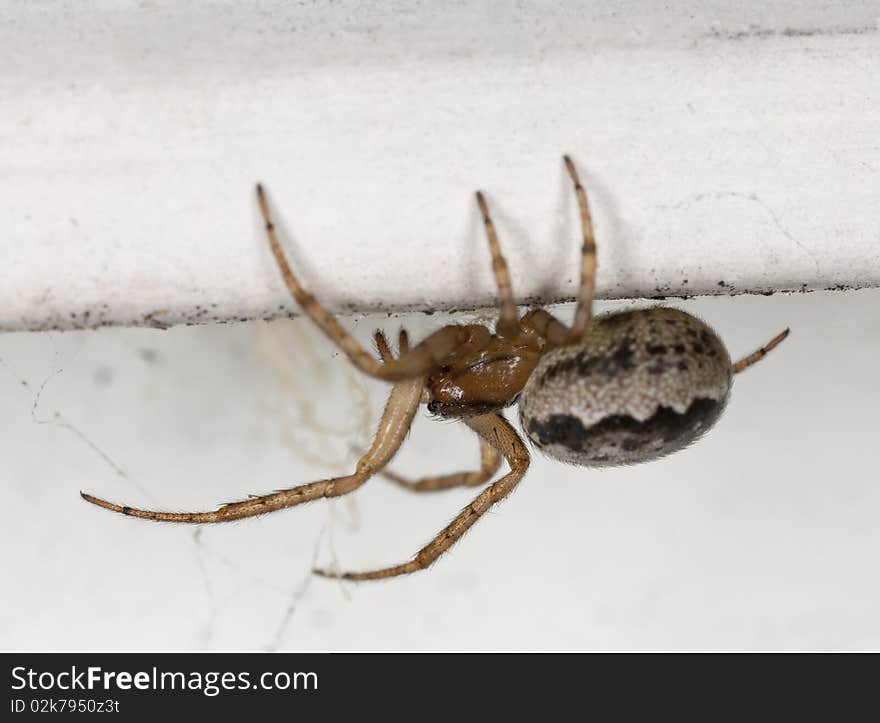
720	142
763	535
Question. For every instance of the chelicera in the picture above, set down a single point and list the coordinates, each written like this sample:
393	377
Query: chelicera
617	389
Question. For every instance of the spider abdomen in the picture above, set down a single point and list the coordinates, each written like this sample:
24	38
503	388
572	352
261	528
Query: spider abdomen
642	384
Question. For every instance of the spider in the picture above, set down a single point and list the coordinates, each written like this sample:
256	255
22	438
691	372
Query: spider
621	388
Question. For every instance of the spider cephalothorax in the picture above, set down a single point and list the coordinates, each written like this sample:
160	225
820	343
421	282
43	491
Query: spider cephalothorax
487	377
616	389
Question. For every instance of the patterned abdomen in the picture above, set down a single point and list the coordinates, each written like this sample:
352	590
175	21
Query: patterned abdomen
642	384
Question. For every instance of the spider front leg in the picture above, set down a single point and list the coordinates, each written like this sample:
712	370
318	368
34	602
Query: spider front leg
403	401
497	432
414	363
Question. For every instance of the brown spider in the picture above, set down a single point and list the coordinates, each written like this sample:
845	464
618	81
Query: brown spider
617	389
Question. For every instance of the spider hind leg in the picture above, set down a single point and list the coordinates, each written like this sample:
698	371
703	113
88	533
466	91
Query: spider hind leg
758	354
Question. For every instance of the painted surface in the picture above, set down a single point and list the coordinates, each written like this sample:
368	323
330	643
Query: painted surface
725	149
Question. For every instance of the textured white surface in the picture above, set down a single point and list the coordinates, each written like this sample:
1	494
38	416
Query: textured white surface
720	145
763	535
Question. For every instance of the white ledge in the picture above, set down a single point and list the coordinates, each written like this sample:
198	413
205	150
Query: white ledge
724	150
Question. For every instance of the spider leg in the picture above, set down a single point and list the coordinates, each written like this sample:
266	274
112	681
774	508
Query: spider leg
414	364
588	260
507	323
498	433
396	419
403	346
755	356
490	461
547	326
